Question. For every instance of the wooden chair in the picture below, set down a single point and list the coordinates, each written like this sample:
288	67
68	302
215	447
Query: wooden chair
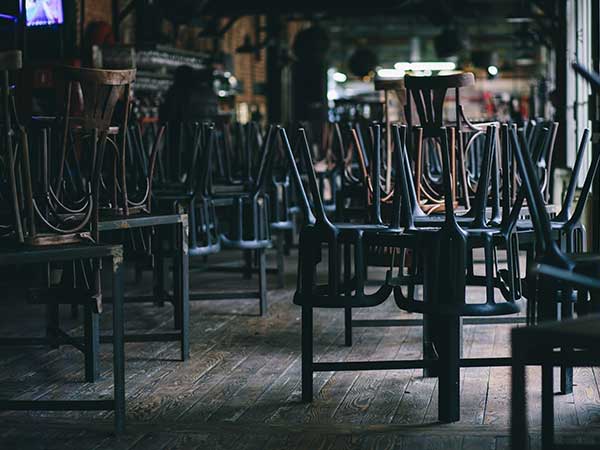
428	95
96	93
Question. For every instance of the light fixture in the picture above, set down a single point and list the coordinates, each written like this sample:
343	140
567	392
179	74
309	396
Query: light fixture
492	70
433	66
390	73
339	77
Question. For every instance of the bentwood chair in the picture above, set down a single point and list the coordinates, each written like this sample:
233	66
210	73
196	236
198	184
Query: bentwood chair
428	94
96	93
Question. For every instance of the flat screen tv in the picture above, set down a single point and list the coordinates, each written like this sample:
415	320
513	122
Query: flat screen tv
41	13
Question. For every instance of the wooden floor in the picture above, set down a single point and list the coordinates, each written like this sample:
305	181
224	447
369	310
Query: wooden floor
241	387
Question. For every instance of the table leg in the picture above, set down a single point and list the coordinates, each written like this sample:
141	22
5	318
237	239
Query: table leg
547	406
429	349
91	335
181	289
447	342
518	424
118	344
159	274
52	317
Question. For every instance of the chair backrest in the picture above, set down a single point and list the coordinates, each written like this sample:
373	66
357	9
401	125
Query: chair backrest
402	209
97	92
305	206
478	208
428	94
585	189
565	212
547	247
535	154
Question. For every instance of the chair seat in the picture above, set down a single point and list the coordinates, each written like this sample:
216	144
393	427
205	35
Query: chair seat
486	309
528	224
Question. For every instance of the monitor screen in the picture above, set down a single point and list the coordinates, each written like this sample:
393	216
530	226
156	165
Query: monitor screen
44	12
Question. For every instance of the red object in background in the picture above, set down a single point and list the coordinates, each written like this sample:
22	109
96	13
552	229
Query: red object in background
100	33
488	102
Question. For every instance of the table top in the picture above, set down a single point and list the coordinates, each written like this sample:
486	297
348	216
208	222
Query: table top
22	254
582	332
140	221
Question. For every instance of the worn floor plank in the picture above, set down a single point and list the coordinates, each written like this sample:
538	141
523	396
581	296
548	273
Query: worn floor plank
241	387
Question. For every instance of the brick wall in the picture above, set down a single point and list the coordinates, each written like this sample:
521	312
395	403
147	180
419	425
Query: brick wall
249	70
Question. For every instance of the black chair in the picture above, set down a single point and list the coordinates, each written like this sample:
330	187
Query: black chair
344	286
557	275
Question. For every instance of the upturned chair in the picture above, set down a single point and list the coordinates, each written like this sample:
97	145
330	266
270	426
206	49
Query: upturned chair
344	284
11	224
558	275
96	92
564	234
58	206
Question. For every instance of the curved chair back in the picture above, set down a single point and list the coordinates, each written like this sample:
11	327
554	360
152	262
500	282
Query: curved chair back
97	93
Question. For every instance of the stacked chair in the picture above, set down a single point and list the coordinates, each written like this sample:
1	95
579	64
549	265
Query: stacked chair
233	173
563	278
53	222
440	241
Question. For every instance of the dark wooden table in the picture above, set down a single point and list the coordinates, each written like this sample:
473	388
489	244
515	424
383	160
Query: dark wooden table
537	346
45	255
181	296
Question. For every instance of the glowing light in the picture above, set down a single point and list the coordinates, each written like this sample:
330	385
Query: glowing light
425	66
390	73
492	70
340	77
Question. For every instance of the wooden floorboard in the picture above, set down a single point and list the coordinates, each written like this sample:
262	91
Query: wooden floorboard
241	387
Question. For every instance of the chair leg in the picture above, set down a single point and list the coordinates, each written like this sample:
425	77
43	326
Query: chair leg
307	354
566	372
348	327
52	324
519	435
448	345
118	345
430	351
262	280
281	259
91	335
489	269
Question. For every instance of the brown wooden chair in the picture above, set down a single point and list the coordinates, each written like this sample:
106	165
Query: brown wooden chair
95	94
428	95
